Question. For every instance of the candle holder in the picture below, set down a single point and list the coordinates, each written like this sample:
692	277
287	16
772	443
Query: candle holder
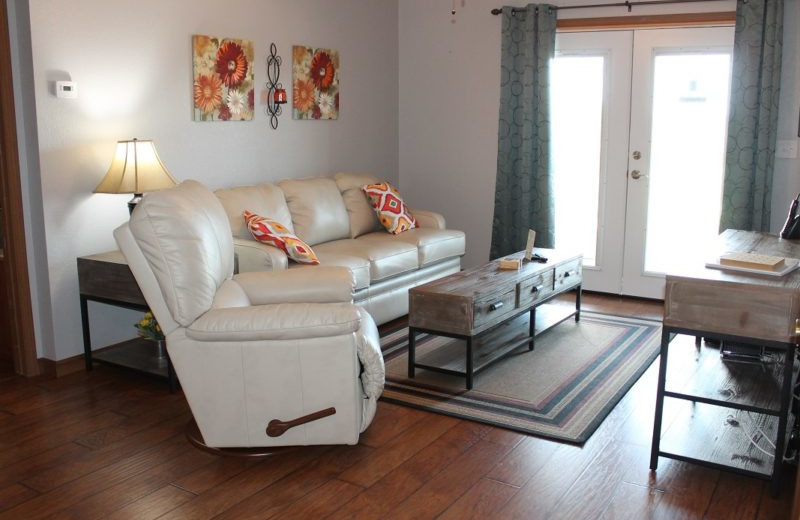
277	94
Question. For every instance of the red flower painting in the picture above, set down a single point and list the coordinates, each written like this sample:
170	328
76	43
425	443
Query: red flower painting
223	79
316	83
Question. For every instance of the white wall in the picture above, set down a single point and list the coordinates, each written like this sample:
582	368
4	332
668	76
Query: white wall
132	63
449	103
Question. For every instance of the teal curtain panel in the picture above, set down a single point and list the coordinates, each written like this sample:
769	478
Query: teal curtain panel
524	190
752	127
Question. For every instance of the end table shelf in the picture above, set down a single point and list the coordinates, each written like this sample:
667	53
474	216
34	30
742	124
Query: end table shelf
106	278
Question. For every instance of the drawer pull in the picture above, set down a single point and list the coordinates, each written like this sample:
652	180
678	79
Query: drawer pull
495	306
567	274
537	288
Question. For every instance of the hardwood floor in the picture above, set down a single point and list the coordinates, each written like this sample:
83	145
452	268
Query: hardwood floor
110	444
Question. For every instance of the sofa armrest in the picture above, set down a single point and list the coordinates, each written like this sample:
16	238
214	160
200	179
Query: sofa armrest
428	219
312	284
276	322
255	256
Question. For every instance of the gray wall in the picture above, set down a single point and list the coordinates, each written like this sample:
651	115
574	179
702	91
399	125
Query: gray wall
786	182
133	67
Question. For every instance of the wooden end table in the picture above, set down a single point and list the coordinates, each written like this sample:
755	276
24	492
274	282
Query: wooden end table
470	303
106	278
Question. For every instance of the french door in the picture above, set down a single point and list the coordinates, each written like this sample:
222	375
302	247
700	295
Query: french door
639	122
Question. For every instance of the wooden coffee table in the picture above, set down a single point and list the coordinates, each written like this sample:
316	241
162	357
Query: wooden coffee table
471	303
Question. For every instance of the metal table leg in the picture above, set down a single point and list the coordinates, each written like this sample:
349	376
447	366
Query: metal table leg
662	378
783	419
532	328
87	340
469	363
412	335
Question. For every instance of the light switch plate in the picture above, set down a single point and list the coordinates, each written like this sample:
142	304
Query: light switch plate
786	149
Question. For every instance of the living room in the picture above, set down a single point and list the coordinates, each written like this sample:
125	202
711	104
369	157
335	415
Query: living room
419	103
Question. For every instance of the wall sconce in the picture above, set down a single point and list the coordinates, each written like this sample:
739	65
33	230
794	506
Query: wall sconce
277	94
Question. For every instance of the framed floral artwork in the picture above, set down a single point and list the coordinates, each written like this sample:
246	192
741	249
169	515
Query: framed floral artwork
315	85
223	79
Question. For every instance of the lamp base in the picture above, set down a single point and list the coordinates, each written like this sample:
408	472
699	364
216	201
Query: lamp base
137	197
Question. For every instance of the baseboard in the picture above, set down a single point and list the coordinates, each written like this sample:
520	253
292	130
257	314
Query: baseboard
62	367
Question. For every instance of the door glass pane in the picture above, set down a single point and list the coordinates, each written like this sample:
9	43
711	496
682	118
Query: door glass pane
576	87
687	156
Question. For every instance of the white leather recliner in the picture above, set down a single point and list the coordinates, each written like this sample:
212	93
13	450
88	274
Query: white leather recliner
284	347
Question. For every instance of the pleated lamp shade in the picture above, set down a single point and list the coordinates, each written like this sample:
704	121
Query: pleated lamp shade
136	168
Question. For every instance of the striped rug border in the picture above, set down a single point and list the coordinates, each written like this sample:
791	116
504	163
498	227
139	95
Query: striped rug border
522	415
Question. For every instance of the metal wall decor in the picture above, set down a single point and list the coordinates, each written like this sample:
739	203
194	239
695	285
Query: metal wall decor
277	94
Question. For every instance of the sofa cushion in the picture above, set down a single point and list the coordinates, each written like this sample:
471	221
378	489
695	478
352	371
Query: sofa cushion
358	266
275	234
263	199
432	245
388	204
317	208
362	217
386	258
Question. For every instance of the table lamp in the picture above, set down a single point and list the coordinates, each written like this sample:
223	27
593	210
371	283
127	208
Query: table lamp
136	168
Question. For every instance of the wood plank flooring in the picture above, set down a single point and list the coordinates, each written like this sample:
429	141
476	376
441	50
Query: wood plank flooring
110	444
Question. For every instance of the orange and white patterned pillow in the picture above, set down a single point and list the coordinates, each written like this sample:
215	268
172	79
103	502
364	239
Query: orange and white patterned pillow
276	234
388	204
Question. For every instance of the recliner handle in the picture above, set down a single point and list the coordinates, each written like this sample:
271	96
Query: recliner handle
276	427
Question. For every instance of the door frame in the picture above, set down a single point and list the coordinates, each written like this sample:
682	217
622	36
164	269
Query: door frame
24	351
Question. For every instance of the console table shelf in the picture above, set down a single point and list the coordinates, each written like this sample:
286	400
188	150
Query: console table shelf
717	436
724	402
744	386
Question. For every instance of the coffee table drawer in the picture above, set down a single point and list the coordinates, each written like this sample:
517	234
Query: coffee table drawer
534	288
568	274
492	308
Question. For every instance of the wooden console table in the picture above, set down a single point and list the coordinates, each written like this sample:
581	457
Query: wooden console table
106	278
725	402
468	304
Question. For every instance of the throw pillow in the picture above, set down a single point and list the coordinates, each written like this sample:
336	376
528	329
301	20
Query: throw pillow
276	234
388	204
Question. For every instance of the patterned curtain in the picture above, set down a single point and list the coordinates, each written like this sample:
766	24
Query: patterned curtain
752	127
523	194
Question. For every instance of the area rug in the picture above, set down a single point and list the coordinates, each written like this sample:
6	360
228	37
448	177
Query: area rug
562	390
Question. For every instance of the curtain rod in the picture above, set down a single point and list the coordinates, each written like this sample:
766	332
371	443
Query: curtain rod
627	4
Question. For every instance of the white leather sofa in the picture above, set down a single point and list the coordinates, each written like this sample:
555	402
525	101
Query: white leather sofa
252	348
333	216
